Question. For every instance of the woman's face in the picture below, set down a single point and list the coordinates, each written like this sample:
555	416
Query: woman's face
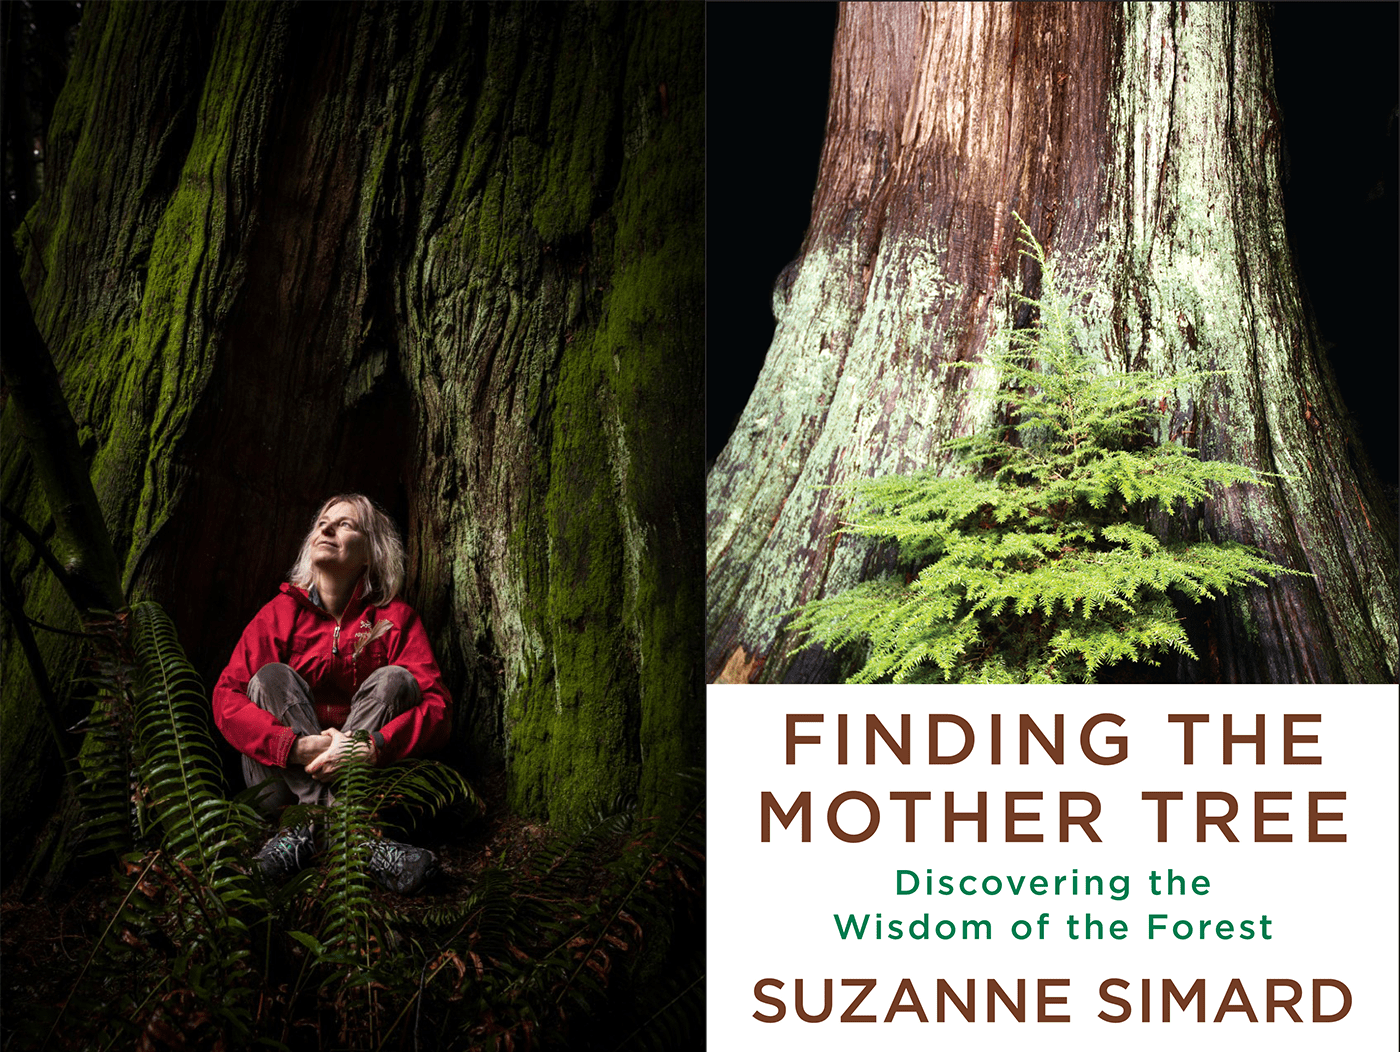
339	546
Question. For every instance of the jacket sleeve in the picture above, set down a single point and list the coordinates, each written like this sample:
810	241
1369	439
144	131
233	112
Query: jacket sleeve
249	729
427	726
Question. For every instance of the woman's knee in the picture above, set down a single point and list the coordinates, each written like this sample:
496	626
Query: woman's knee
275	686
276	676
394	681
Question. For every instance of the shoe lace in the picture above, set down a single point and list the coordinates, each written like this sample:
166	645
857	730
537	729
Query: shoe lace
287	844
390	854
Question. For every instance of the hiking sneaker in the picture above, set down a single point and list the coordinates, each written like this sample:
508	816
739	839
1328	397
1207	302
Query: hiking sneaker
401	868
287	852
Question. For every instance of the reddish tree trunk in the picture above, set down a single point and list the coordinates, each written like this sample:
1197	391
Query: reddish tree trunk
1140	143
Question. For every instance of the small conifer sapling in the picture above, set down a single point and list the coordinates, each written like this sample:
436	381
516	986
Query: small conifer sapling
1038	566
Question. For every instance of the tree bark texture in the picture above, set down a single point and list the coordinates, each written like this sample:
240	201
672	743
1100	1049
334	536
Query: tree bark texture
79	552
449	255
1141	144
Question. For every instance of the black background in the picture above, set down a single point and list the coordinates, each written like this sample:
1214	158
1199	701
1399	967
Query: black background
1336	76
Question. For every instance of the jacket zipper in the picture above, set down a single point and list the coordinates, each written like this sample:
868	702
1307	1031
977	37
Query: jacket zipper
354	664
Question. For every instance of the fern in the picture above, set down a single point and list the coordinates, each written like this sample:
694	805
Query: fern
352	930
179	764
1039	567
209	899
109	805
182	921
600	929
404	792
354	948
576	945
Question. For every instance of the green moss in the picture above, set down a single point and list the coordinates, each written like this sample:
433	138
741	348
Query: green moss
144	359
129	293
569	728
579	122
653	332
490	106
616	706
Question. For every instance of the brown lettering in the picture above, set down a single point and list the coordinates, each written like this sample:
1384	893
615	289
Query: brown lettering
979	816
1315	816
906	986
802	1014
1104	995
849	1016
1304	739
995	993
1055	750
775	1002
871	807
1162	799
1336	984
1084	822
1042	1000
1118	740
1196	993
1188	722
802	805
1261	816
1287	1005
1013	816
874	727
1221	822
910	798
1256	739
1235	987
794	739
934	719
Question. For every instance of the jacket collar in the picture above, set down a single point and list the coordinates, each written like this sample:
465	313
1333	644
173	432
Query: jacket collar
309	599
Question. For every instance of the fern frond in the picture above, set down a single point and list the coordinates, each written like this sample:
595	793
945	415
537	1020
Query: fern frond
352	931
179	763
419	788
107	794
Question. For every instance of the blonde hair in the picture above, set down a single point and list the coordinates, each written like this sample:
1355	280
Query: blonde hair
384	575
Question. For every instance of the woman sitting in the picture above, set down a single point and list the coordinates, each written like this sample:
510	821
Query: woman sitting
336	652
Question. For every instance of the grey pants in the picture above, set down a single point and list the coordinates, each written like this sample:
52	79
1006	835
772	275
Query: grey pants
280	690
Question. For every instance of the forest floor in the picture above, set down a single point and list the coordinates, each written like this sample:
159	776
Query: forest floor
45	939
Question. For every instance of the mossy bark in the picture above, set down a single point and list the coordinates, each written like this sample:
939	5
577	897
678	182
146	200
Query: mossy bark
449	255
1140	143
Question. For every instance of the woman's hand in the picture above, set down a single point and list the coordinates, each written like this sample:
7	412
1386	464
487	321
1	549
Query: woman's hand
326	766
308	747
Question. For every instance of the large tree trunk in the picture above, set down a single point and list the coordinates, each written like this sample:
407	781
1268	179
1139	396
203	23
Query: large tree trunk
1141	143
449	255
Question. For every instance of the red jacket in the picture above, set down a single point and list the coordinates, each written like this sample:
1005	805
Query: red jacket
295	631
